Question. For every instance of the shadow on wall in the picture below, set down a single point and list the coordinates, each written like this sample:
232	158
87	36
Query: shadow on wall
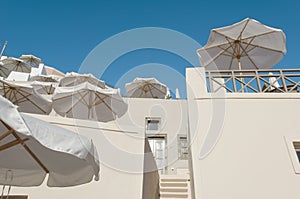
151	176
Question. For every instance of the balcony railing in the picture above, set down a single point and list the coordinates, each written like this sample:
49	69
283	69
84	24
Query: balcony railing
254	81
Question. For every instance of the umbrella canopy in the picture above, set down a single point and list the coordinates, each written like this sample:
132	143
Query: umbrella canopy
4	72
31	60
44	78
245	45
31	148
14	64
146	88
44	88
87	101
72	79
26	97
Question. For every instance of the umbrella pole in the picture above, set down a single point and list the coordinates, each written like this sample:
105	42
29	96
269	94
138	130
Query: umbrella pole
242	79
3	48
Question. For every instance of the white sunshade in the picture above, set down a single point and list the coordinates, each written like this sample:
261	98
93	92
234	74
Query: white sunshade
73	79
30	149
4	72
87	101
14	64
44	88
44	78
146	88
31	60
25	97
245	45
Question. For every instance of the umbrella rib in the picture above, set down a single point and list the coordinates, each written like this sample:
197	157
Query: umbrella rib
2	72
18	91
4	135
249	58
157	89
223	35
234	53
248	43
226	50
216	57
79	100
33	103
109	107
100	100
250	49
132	89
240	36
142	91
207	48
12	144
30	100
82	97
258	35
90	104
26	148
266	48
150	90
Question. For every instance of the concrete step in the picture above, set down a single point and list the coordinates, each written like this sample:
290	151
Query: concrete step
176	176
173	180
173	195
173	184
173	189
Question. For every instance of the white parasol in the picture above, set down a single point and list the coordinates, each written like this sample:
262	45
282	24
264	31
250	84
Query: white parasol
14	64
31	60
87	101
245	45
146	88
25	97
72	79
30	149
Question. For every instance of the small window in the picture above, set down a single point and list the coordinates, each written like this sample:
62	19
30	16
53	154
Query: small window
297	149
183	151
153	124
293	145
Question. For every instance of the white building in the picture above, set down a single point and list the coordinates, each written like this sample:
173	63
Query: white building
223	141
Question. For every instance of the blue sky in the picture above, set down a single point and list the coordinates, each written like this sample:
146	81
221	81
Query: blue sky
63	33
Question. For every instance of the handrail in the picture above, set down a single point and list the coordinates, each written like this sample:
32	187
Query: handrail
254	81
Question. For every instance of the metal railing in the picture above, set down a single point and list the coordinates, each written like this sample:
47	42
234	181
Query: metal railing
254	81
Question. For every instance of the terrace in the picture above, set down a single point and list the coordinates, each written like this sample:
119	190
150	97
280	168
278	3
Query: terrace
253	81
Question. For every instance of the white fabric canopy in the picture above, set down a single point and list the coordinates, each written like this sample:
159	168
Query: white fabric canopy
146	88
31	148
245	45
14	64
4	72
26	97
87	101
73	79
31	60
44	88
44	78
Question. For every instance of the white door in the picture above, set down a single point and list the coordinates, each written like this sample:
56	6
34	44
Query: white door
158	148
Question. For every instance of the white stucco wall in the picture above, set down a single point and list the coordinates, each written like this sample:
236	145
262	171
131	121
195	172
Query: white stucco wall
174	121
245	137
121	169
121	146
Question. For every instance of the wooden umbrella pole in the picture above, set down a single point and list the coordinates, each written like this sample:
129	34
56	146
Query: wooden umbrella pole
3	48
240	68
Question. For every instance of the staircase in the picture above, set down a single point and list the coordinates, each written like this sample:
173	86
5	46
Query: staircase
175	186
